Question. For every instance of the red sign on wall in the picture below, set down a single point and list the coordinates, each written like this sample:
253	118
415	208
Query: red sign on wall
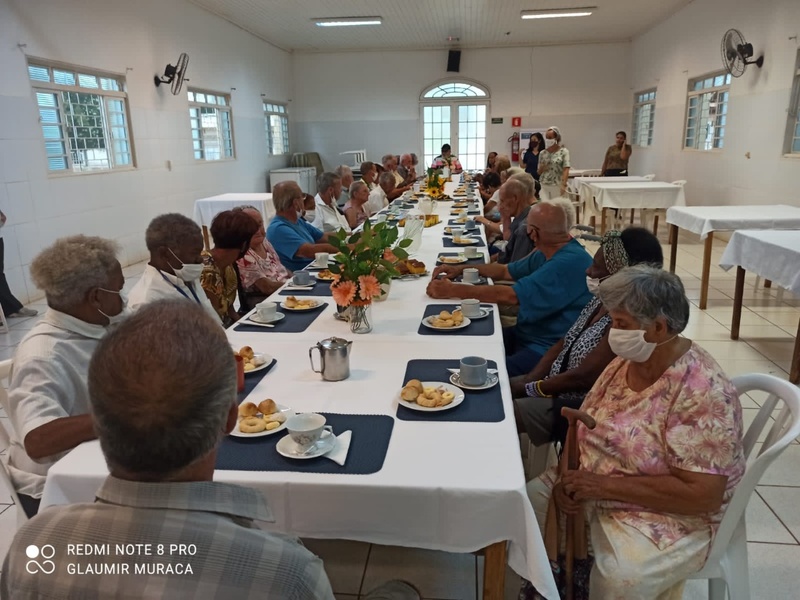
516	121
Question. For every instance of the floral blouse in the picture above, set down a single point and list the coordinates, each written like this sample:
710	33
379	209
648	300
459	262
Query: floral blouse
252	267
451	162
555	163
689	419
222	285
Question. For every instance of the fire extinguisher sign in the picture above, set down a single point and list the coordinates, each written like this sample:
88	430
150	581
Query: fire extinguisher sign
516	121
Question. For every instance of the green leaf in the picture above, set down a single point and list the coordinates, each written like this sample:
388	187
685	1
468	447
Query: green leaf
400	253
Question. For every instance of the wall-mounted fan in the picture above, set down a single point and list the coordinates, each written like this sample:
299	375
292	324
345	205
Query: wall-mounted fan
736	53
174	74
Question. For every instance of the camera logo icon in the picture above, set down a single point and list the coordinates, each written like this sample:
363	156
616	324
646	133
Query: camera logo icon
46	566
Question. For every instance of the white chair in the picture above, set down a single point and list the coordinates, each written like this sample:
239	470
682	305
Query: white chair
726	566
649	176
5	441
680	182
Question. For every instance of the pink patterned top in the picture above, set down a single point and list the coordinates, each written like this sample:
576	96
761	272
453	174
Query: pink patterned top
252	267
689	419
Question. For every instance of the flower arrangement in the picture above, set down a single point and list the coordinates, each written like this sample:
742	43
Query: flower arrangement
361	263
435	183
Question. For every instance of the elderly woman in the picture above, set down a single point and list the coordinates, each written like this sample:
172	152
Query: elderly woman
232	232
660	467
569	369
354	209
260	270
48	399
553	165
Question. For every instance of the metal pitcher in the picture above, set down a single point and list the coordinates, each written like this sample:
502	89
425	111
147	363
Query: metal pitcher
334	356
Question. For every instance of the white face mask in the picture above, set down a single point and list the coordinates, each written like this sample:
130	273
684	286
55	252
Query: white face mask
593	283
310	214
121	315
631	345
548	143
187	272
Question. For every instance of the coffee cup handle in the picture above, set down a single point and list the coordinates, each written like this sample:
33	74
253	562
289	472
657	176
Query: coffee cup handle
327	428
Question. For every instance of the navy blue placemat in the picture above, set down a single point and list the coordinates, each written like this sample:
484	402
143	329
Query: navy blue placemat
368	446
321	288
470	261
470	213
252	379
484	326
454	222
448	242
484	406
292	322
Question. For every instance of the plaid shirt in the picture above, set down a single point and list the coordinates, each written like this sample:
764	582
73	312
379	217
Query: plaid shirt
133	533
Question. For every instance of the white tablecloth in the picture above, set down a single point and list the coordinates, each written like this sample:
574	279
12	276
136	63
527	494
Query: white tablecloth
705	219
637	195
448	486
205	209
774	255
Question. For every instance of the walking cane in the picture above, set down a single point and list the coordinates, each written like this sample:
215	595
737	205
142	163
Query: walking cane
576	536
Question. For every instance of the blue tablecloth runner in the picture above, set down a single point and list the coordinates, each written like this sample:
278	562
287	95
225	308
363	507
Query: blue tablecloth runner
484	326
292	322
368	446
321	288
485	406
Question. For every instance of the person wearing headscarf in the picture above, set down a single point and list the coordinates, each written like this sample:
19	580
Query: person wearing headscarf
571	366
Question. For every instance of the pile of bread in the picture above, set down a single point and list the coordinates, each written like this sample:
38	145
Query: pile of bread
430	221
325	275
430	397
249	357
447	319
292	302
410	266
264	417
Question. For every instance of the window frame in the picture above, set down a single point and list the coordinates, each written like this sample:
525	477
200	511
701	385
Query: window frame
105	95
793	116
640	103
284	115
713	89
193	103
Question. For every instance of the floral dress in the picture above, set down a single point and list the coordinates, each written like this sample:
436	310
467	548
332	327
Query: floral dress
555	162
253	267
222	285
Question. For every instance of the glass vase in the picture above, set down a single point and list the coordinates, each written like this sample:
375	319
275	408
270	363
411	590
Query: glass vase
360	318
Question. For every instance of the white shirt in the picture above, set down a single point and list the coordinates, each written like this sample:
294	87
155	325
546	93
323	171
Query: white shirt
152	286
377	201
326	218
48	382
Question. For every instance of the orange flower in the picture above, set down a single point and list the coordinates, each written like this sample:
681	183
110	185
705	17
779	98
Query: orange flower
344	292
368	286
389	255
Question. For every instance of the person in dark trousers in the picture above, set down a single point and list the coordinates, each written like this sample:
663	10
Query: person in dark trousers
12	307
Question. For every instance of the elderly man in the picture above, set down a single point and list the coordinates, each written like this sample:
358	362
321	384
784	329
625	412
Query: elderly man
295	240
369	174
516	196
48	401
379	197
549	285
447	159
400	186
328	218
345	173
175	244
406	169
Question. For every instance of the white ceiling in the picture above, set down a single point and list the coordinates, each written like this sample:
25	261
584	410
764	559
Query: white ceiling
426	24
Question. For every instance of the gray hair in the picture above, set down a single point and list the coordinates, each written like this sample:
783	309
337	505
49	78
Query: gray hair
343	170
171	230
517	188
569	211
284	194
387	157
386	177
327	180
355	186
557	131
72	266
161	385
527	181
647	293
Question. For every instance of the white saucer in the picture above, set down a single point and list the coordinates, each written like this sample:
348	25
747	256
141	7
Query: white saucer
287	447
256	319
485	312
491	381
292	284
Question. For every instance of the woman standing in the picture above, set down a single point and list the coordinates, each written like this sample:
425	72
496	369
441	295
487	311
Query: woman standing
12	307
530	162
553	166
615	164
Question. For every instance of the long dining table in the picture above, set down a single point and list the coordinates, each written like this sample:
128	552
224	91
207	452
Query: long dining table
451	485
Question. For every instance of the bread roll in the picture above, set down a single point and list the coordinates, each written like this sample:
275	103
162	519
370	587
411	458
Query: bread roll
416	384
248	409
409	393
246	352
267	407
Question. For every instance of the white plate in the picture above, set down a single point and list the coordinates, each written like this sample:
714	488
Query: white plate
287	447
262	366
451	260
256	319
464	323
459	397
316	305
288	412
466	241
491	380
317	275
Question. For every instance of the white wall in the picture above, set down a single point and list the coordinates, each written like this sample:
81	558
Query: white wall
114	36
688	45
354	100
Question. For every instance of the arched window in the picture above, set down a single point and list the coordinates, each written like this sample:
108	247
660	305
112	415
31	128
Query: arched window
455	113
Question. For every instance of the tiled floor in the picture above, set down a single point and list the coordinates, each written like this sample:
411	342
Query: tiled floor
773	518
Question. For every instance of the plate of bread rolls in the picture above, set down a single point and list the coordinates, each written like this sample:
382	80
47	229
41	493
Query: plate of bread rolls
265	418
430	396
253	361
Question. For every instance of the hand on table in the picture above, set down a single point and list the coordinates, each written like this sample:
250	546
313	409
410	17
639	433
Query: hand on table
583	485
449	271
440	288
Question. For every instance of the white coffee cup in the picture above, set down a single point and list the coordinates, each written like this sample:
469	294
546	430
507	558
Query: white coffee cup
471	252
473	370
470	307
266	310
458	233
305	429
321	259
301	278
470	276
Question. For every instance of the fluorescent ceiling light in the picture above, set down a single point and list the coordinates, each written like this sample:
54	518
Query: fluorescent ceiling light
557	13
348	21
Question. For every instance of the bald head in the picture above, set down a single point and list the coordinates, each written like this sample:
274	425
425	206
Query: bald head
550	219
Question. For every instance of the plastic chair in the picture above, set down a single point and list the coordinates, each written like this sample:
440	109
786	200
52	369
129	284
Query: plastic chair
726	566
5	442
